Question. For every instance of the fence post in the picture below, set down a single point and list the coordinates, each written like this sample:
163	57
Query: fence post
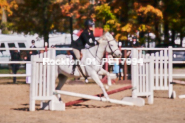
46	46
134	69
170	65
120	61
125	66
32	85
151	79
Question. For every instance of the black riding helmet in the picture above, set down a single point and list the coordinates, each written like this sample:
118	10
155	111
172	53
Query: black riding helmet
88	23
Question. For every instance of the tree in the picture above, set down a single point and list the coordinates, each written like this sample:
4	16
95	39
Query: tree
128	16
37	16
174	19
5	10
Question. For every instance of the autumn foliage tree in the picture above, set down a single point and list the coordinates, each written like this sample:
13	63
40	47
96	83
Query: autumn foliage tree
6	10
37	16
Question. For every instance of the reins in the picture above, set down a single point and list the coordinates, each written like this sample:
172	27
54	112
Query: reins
112	52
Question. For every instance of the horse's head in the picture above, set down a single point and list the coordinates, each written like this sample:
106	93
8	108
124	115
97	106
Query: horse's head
111	46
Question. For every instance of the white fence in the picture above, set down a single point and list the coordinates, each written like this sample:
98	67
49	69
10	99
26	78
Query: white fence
43	80
159	73
142	76
43	85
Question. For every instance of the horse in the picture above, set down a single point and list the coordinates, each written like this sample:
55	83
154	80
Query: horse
106	43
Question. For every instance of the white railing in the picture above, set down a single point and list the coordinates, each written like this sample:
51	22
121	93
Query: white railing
139	49
24	62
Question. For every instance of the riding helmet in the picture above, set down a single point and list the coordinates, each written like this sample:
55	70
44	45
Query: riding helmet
88	23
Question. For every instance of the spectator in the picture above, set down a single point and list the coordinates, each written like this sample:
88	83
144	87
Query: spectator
15	56
34	52
116	68
31	52
135	43
28	58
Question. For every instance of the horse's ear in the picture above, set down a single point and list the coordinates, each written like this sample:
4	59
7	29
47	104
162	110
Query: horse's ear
108	36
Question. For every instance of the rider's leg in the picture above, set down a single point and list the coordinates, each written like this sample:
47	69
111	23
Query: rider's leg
78	54
77	57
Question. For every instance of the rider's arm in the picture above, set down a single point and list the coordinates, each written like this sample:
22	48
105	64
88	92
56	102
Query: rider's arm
93	38
86	39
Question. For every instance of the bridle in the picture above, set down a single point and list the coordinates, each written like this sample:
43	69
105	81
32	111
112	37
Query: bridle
108	44
112	52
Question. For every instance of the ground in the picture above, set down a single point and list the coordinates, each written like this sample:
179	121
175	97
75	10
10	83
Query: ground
14	106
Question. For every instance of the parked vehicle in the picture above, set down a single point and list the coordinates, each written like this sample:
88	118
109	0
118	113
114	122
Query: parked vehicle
178	55
9	42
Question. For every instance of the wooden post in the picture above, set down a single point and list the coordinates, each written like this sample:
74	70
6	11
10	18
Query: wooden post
46	46
125	66
120	61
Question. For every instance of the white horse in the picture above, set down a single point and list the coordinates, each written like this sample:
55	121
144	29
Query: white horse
106	43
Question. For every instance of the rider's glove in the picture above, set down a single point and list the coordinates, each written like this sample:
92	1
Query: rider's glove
87	46
95	42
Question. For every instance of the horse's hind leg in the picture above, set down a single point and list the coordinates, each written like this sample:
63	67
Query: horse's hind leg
62	79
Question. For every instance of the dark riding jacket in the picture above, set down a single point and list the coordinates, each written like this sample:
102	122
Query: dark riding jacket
84	39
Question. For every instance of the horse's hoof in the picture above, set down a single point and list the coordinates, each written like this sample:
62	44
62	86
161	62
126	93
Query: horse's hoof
109	83
108	99
86	81
106	87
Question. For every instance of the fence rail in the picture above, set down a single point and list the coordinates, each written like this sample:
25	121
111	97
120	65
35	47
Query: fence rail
125	49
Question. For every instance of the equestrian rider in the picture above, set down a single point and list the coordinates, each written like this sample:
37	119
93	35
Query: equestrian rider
86	38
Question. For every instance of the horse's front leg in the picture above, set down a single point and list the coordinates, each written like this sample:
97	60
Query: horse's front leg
93	74
104	72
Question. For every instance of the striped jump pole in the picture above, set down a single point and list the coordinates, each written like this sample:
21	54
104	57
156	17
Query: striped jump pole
99	95
93	97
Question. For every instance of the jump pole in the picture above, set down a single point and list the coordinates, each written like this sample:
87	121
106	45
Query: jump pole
93	97
98	95
180	83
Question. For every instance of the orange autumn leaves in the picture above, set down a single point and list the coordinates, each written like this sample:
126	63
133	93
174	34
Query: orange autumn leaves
108	15
5	6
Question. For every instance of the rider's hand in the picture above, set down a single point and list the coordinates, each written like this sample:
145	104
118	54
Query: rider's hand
95	42
87	46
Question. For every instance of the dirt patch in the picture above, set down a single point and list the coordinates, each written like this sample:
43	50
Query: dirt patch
14	106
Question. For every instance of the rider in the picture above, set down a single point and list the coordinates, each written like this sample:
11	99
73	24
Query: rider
86	38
